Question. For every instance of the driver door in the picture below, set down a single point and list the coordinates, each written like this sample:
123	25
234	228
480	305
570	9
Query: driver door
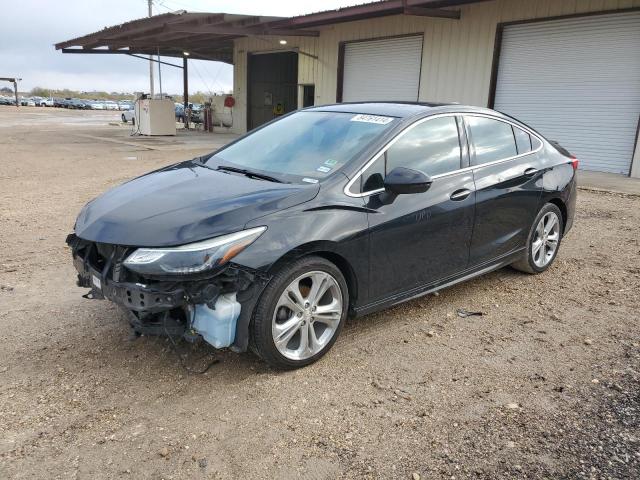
418	239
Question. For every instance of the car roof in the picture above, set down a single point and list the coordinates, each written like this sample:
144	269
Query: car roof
390	109
400	109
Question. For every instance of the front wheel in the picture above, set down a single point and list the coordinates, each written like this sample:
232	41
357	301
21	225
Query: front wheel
124	119
300	313
543	242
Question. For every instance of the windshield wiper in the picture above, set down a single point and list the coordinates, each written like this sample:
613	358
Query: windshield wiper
249	173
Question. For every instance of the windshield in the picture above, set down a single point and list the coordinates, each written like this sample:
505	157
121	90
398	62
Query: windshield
306	144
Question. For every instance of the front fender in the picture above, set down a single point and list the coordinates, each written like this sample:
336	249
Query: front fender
338	229
341	229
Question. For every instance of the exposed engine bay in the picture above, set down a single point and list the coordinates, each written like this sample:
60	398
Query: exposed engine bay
215	306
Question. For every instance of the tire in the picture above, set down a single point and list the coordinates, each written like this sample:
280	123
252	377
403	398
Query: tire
537	259
320	320
124	119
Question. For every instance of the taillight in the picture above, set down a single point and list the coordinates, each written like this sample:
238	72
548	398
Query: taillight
574	163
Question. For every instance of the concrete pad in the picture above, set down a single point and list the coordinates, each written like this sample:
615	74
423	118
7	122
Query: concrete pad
608	182
184	139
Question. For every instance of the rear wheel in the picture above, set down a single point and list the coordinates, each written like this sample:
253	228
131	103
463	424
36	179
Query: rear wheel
124	119
543	242
300	314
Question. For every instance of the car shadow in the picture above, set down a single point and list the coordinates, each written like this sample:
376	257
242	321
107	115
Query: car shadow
150	356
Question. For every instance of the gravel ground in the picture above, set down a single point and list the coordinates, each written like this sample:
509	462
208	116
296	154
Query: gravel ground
545	384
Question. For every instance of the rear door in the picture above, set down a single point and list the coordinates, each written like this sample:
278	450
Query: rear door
508	183
420	238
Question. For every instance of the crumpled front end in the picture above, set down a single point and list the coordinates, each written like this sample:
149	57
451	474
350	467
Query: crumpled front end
215	306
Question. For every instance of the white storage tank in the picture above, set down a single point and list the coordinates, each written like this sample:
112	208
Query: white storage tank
156	117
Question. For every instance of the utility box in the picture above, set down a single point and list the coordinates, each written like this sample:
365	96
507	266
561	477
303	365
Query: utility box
156	117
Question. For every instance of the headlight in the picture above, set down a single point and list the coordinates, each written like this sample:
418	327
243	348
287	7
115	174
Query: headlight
193	257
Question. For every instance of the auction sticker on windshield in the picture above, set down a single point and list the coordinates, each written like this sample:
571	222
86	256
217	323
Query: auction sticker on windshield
371	119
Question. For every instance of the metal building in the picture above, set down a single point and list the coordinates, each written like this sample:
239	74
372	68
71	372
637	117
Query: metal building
570	69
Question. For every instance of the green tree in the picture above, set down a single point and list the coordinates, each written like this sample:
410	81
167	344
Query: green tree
39	92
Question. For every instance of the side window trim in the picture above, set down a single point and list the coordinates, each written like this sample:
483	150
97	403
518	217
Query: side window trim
515	140
513	125
463	138
470	149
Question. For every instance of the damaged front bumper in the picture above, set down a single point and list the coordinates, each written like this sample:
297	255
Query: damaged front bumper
190	306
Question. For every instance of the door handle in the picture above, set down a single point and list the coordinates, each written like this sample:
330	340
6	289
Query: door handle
460	194
530	172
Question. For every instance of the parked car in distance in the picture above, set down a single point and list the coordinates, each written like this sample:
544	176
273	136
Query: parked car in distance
97	105
75	104
110	105
328	212
128	116
27	102
179	112
196	112
46	102
125	105
7	101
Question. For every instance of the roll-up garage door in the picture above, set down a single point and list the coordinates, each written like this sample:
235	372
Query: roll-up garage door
577	81
387	69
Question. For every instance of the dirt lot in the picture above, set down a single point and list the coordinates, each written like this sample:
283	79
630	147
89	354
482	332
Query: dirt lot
545	384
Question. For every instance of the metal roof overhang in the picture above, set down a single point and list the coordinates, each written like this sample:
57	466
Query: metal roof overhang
206	36
210	36
423	8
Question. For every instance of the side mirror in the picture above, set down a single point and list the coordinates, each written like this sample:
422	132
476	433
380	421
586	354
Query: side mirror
402	180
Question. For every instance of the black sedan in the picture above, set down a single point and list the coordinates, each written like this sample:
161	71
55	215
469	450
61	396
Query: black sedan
271	242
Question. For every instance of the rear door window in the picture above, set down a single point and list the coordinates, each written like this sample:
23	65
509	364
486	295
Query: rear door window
492	139
535	143
523	140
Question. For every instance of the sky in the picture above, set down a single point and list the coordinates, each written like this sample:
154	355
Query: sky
30	28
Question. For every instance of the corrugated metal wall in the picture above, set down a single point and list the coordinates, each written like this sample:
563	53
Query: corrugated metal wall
599	64
399	80
457	55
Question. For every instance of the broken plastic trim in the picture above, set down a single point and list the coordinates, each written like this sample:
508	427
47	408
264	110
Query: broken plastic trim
155	303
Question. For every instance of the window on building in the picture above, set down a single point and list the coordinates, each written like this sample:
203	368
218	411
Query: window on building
492	139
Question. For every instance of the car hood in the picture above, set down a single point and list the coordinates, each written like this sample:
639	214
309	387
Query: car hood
181	204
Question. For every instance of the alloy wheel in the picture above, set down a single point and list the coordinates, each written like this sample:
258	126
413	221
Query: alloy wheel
546	239
307	315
